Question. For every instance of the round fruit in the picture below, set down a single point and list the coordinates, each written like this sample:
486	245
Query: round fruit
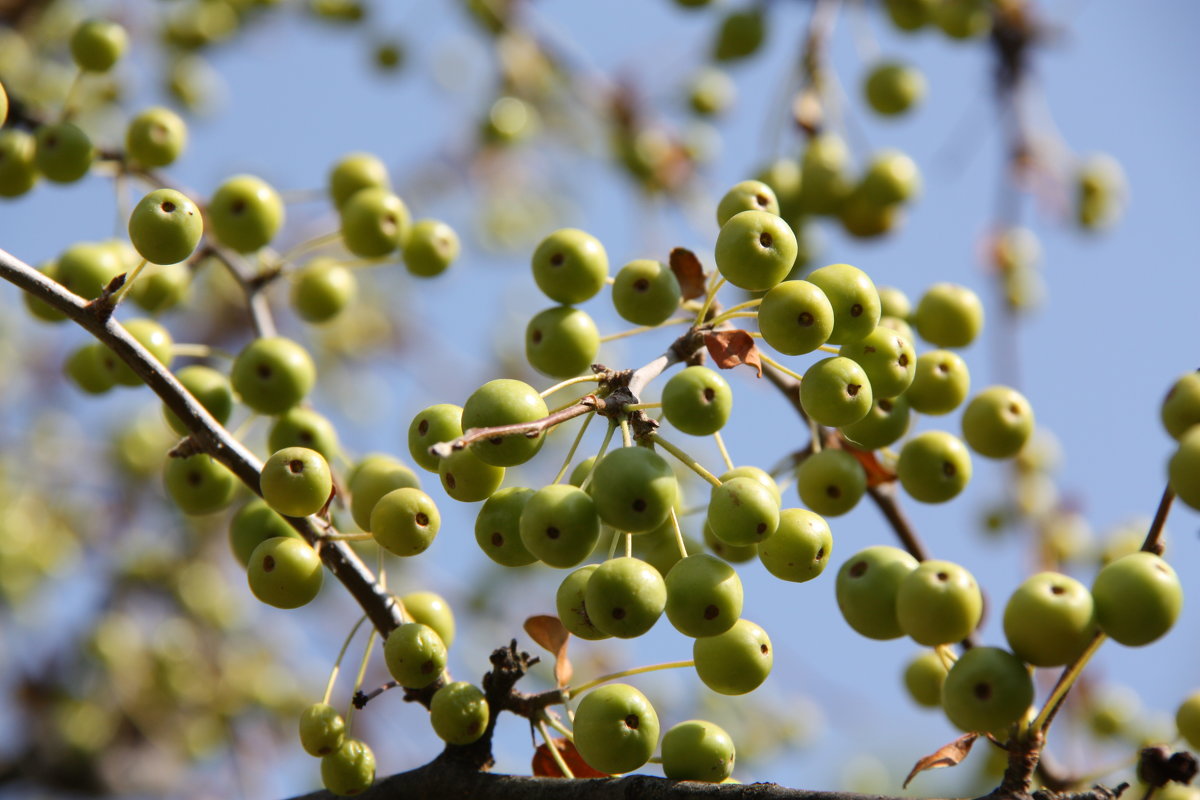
150	335
64	152
800	547
616	728
354	172
165	227
498	527
322	289
285	572
963	19
836	391
504	402
273	374
938	603
350	770
570	266
436	424
252	525
697	751
997	422
742	511
755	250
210	388
884	424
85	366
405	521
746	196
1187	720
924	676
245	213
303	427
371	479
733	553
934	466
1181	406
561	342
459	713
893	88
634	489
155	137
322	730
910	15
888	359
1049	620
711	92
697	401
296	481
375	223
795	317
431	248
415	655
704	596
854	299
97	44
559	525
1138	598
949	315
893	302
940	383
891	177
736	661
831	482
18	167
867	587
571	604
646	292
199	484
624	597
758	474
986	690
1183	470
741	34
468	479
160	287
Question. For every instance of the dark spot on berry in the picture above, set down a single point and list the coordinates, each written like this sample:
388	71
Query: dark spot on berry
833	491
711	612
858	569
641	285
856	310
427	667
885	405
263	371
423	427
496	439
805	319
238	206
632	722
903	360
557	260
194	479
868	349
852	389
764	649
1014	409
1057	590
305	436
422	518
942	576
618	613
949	470
324	751
52	140
535	336
167	207
762	200
268	563
709	394
639	505
296	466
983	691
450	482
552	532
760	528
820	554
388	224
943	368
765	239
497	539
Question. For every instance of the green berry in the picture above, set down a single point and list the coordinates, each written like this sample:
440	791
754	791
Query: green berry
571	603
660	548
415	655
799	549
436	424
625	597
429	608
888	359
736	661
296	481
741	34
405	521
498	527
350	770
1181	406
504	402
893	88
570	266
910	15
1048	620
704	596
285	572
963	19
986	690
824	180
561	342
867	587
997	422
165	227
156	137
940	384
923	678
742	511
273	374
459	713
245	213
616	728
150	335
646	292
18	162
3	104
322	289
697	401
468	479
354	172
559	525
795	317
199	484
86	368
375	223
1138	598
372	478
431	248
934	466
746	196
634	489
831	482
938	603
210	388
252	525
711	92
949	315
884	424
697	751
893	302
98	44
891	177
160	287
322	730
836	391
1183	470
854	299
1187	720
755	250
1100	186
733	553
783	176
760	475
64	152
303	427
863	218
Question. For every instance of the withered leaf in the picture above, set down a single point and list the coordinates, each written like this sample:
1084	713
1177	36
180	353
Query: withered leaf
946	756
877	474
550	633
689	272
731	348
544	765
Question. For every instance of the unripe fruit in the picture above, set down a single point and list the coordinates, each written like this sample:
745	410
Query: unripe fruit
867	588
646	292
156	137
1183	470
273	374
1181	406
893	88
986	690
459	713
948	315
375	223
561	342
438	423
415	655
800	547
245	213
431	248
741	34
504	402
634	489
85	366
625	597
467	479
322	289
559	525
616	728
885	424
285	572
938	603
836	391
18	168
570	266
910	15
704	596
795	317
853	297
252	525
697	751
831	482
997	422
322	730
430	608
98	44
742	511
498	527
199	484
165	227
303	427
923	678
296	481
150	335
711	92
891	177
697	401
405	521
888	359
746	196
1049	620
934	466
371	479
1187	720
736	661
350	770
571	604
354	172
1138	598
940	383
755	250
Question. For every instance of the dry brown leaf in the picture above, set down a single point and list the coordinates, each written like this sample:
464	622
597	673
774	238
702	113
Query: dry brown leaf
689	272
544	765
731	348
877	474
550	633
946	756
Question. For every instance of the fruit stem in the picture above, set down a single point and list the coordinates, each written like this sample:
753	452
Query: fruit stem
347	537
712	294
308	246
68	109
643	329
641	406
569	691
725	317
740	307
553	748
946	655
724	452
199	351
625	435
628	545
1065	681
568	382
825	348
603	447
558	726
337	665
766	359
362	671
678	534
574	446
119	295
612	545
687	460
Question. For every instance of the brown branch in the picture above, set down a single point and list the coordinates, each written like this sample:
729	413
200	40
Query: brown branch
1153	542
884	496
527	429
